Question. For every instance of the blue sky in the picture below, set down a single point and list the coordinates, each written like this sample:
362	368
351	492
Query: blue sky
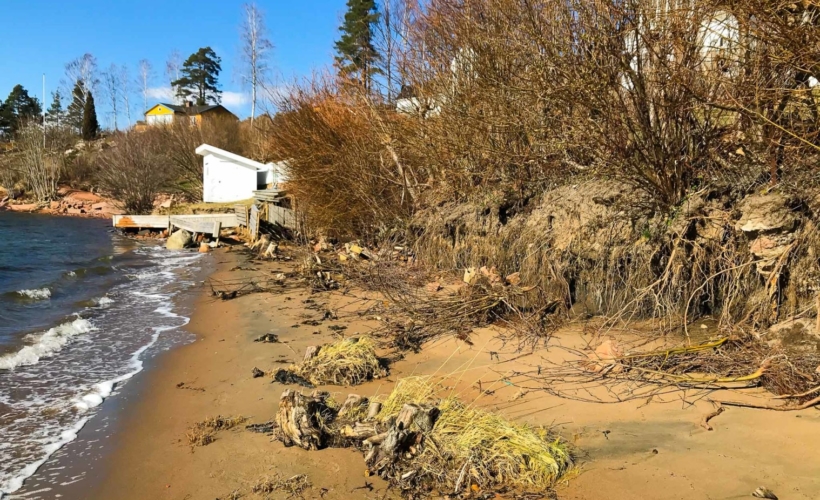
41	36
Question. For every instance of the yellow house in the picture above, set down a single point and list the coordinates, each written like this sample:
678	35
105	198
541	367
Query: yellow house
166	114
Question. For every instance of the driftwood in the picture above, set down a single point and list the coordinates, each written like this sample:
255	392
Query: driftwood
352	401
423	417
359	431
373	410
311	352
297	420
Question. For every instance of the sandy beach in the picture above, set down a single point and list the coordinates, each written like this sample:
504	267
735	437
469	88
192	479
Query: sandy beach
635	449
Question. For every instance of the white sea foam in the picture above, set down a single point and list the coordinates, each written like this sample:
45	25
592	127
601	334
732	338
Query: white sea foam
104	301
46	344
36	293
66	437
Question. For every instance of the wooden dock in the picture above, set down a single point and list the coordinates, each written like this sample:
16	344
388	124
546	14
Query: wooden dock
206	224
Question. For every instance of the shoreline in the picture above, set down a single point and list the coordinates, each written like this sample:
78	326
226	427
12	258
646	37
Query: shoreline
632	449
73	456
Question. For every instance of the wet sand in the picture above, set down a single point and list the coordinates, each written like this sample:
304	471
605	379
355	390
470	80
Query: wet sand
629	450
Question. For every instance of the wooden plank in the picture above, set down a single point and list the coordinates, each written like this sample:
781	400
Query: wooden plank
141	221
282	216
253	222
227	220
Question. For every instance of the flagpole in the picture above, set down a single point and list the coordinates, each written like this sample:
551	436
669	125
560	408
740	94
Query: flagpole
44	111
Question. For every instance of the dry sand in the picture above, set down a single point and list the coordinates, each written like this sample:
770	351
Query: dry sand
631	450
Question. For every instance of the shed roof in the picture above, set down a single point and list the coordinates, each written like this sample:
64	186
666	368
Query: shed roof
207	149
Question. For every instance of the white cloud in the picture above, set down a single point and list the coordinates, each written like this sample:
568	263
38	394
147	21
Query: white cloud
234	99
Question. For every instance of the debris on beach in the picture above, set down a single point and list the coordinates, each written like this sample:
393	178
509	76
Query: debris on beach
349	361
204	432
293	486
419	442
268	338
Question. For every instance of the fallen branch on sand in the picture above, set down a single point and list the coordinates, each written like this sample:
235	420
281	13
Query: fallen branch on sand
705	422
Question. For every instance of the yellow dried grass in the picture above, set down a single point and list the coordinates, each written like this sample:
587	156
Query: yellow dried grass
349	361
469	445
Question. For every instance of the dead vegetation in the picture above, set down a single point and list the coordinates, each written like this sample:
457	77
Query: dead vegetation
204	433
293	486
348	361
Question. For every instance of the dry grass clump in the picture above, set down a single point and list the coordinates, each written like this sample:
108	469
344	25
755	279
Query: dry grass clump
349	361
204	432
468	445
293	486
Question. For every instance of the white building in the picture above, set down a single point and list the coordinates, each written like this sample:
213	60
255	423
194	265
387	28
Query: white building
229	177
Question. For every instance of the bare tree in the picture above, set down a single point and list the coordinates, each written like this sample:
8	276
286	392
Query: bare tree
84	70
145	74
173	66
256	48
38	169
125	91
111	83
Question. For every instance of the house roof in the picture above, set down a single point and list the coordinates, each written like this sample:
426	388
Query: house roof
192	110
207	149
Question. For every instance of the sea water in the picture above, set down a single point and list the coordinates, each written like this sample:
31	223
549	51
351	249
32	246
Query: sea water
80	309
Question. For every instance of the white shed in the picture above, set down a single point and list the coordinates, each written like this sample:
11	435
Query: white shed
229	177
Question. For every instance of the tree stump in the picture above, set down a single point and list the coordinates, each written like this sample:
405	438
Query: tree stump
423	417
297	420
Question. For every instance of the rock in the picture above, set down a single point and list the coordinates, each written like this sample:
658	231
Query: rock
28	207
179	240
764	213
491	274
102	206
470	275
204	247
606	355
75	211
54	205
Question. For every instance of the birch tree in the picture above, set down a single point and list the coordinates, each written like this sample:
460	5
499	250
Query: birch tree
256	48
173	66
145	75
125	91
111	85
82	70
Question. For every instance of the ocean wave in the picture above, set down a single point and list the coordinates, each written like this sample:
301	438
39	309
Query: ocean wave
36	293
46	344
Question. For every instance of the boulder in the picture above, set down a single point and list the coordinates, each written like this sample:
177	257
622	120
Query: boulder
204	247
75	211
178	240
54	205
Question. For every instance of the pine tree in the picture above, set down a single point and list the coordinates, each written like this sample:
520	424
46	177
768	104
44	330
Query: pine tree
75	110
18	108
55	113
91	126
200	73
357	56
